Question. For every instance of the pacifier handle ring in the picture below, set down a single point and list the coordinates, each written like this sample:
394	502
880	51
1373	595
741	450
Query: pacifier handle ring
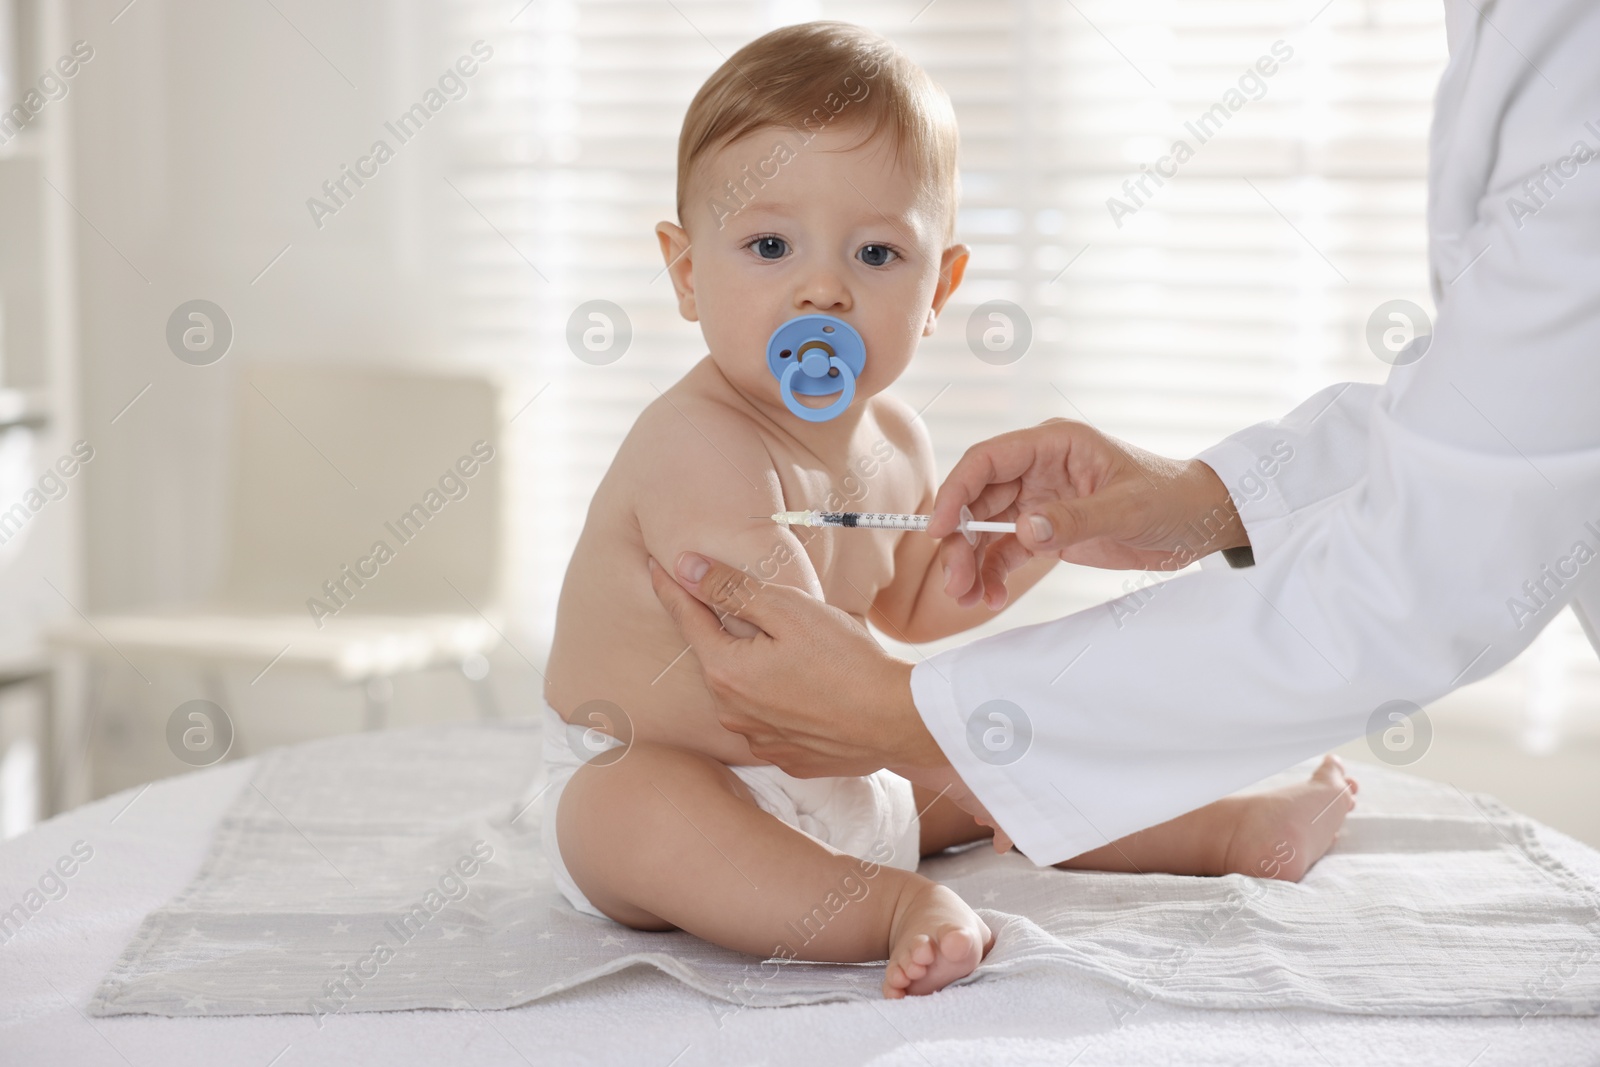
847	394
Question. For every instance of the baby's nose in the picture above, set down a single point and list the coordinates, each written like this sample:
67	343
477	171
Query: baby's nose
823	289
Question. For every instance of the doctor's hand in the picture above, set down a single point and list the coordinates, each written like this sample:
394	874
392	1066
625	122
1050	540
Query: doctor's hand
1082	496
810	689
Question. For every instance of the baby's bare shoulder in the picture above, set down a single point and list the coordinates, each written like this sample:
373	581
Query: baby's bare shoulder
687	430
904	431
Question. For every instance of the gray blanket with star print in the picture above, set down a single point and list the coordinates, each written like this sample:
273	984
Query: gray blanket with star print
398	870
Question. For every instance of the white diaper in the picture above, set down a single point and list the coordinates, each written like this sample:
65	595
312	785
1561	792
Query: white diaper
872	818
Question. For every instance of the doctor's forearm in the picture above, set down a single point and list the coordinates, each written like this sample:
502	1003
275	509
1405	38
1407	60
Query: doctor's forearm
1214	524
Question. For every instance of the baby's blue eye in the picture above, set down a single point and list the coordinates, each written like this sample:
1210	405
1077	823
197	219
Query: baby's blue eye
770	247
875	255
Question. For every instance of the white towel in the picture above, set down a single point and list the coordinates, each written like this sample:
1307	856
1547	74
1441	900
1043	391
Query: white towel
403	870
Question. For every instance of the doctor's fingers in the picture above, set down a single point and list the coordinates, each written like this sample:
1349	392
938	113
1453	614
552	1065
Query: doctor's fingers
991	473
963	567
1002	557
726	590
986	479
756	733
979	572
776	610
1118	513
958	562
765	742
695	621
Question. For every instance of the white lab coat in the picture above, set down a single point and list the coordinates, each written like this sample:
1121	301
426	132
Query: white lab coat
1419	536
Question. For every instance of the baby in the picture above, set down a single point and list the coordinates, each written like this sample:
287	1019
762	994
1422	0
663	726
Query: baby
816	175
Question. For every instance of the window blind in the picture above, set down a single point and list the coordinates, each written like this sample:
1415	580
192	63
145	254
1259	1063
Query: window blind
1168	313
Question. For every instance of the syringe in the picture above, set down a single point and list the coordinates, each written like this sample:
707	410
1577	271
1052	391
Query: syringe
878	520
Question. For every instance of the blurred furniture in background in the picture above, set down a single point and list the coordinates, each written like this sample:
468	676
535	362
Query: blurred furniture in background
364	541
41	569
22	779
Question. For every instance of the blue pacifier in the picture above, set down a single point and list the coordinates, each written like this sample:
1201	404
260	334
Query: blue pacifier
816	355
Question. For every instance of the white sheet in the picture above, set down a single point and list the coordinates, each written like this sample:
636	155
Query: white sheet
148	845
404	870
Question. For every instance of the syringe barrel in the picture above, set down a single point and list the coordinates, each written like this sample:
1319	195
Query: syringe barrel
873	520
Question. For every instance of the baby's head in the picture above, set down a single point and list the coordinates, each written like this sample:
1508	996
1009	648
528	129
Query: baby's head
816	175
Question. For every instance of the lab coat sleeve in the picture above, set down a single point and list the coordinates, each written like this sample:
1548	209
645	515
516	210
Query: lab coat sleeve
1473	519
1280	472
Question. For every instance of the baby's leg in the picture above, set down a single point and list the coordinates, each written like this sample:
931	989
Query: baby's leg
666	837
1278	834
944	824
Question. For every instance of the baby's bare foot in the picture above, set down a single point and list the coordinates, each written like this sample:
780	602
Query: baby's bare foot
936	939
1282	833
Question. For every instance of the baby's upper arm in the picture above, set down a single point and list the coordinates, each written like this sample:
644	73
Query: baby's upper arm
699	482
915	551
908	435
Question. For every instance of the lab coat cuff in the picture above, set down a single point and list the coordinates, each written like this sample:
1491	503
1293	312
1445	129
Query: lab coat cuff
1263	513
996	787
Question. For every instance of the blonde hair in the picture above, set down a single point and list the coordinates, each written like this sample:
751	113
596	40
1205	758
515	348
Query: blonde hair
817	74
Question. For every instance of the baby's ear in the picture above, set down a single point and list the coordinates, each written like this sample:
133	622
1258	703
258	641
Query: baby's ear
675	248
952	268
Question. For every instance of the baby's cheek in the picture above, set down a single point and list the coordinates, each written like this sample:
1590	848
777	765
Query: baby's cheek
883	367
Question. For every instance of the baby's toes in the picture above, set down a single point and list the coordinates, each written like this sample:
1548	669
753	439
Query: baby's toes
1330	771
923	954
909	963
895	981
959	945
920	959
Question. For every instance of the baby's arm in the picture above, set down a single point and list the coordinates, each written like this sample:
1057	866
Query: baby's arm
701	472
914	607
